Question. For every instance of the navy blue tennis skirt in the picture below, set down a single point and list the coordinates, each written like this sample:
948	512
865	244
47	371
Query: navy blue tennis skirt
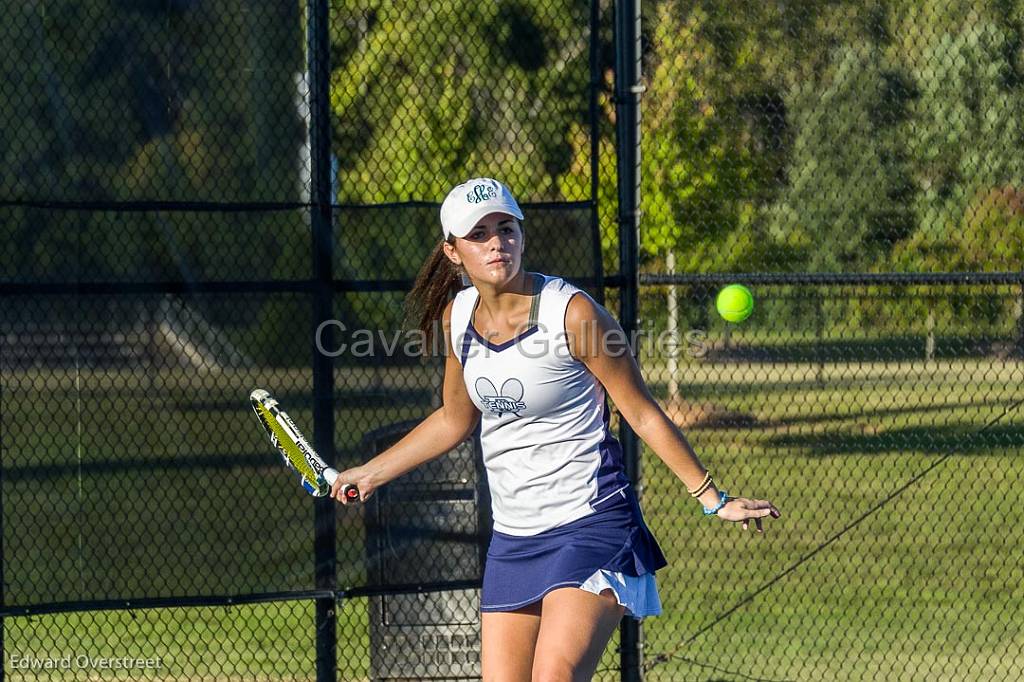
522	569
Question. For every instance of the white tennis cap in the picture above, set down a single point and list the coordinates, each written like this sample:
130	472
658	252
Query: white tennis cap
472	200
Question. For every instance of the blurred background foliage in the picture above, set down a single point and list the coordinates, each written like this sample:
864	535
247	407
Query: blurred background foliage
798	136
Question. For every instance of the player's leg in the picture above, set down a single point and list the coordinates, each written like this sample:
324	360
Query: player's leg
507	641
574	630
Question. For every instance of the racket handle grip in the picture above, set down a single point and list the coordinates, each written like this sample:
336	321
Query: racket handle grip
348	490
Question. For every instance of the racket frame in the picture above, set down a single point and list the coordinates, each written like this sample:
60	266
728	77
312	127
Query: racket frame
316	476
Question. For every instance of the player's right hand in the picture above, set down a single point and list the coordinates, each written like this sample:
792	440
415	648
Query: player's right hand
357	476
746	510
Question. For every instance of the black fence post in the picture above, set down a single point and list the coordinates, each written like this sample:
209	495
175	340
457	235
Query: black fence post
3	592
321	217
1018	332
596	84
627	132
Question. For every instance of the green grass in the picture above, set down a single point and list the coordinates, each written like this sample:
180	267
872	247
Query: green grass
264	641
927	587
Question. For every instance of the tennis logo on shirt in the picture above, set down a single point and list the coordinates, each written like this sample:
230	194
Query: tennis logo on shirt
509	399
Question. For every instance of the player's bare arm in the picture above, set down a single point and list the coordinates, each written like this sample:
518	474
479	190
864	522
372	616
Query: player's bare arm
439	433
597	340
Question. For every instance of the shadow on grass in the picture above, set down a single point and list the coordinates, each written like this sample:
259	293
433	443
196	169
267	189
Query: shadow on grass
938	440
867	415
299	400
271	464
885	349
724	391
855	384
867	419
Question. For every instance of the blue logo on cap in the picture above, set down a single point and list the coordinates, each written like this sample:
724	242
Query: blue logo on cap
481	193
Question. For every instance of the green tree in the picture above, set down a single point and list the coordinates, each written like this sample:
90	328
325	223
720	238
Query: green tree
108	101
713	135
849	192
966	142
423	96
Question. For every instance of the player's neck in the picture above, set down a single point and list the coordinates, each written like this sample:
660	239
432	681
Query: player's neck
500	302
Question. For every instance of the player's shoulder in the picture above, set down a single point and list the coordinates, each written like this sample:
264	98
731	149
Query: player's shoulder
454	308
456	314
581	307
558	285
587	321
464	294
462	301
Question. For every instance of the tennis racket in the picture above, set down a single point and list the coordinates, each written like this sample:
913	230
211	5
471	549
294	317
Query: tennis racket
299	456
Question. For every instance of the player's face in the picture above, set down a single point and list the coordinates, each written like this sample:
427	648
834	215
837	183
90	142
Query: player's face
492	252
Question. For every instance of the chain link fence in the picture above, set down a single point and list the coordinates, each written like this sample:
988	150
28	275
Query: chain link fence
858	166
167	248
189	190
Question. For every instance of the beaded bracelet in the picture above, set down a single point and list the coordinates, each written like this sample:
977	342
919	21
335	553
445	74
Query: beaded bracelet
703	488
699	490
721	503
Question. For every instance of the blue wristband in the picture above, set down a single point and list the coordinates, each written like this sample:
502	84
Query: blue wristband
721	503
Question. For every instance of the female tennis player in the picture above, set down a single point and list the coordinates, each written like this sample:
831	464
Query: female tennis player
531	358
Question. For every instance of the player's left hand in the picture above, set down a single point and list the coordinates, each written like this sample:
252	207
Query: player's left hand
744	509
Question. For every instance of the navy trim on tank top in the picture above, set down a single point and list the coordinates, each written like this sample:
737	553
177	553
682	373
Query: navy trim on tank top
505	344
537	288
611	472
466	340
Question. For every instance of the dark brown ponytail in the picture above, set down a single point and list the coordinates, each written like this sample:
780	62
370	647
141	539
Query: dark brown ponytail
438	280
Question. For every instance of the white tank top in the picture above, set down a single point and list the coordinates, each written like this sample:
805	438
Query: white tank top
549	454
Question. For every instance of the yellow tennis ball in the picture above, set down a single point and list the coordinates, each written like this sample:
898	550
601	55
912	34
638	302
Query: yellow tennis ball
735	303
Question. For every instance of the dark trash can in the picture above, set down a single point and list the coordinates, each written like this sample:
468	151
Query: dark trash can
425	530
